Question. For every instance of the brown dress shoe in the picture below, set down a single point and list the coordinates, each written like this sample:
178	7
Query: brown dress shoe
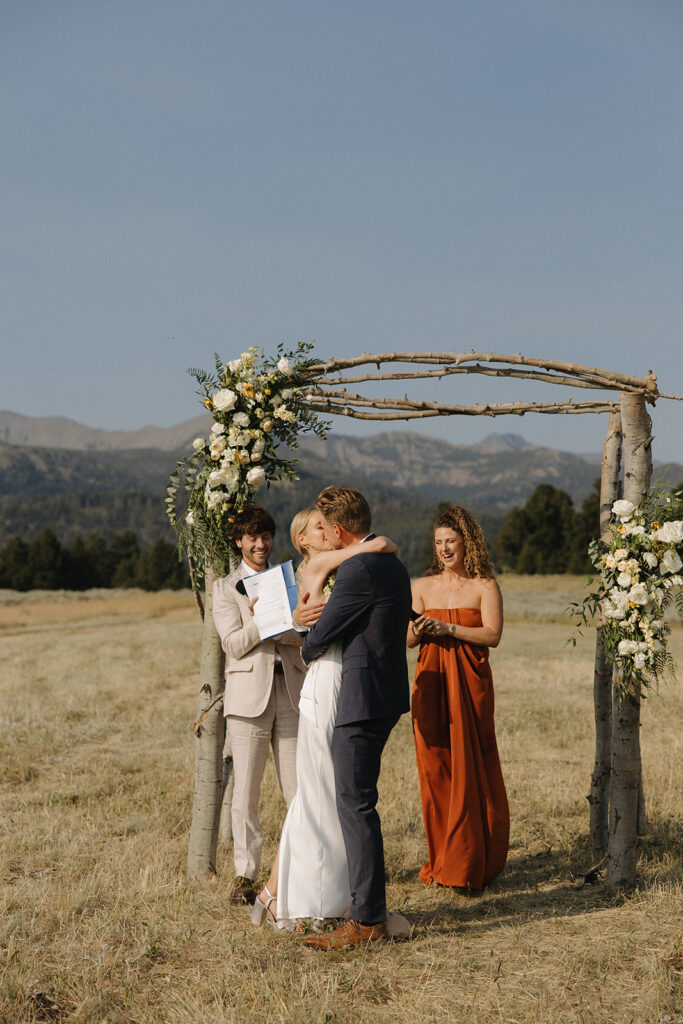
243	892
351	933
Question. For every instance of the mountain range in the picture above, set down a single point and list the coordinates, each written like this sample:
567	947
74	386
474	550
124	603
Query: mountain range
77	479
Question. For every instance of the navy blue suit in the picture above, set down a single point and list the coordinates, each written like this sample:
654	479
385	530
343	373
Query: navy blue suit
368	611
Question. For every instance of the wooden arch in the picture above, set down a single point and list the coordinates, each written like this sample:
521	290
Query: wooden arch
616	779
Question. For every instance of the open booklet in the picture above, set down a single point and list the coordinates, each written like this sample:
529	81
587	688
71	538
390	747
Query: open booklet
277	598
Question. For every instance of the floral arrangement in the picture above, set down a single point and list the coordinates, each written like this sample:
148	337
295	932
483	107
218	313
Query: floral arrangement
639	578
258	406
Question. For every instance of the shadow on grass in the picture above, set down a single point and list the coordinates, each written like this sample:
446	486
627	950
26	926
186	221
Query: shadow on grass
550	883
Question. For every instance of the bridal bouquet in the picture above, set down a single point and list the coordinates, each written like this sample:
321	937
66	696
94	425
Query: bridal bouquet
258	410
639	578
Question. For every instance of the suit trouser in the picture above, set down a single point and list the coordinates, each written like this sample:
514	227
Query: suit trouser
251	739
357	753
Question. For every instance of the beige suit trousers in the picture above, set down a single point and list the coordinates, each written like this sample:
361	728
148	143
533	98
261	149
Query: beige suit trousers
251	739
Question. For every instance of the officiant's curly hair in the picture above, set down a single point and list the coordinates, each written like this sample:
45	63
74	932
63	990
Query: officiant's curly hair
252	520
476	559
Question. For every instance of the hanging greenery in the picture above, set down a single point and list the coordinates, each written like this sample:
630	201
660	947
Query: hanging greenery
639	579
259	408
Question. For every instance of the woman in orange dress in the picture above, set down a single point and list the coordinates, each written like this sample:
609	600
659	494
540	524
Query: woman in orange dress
464	803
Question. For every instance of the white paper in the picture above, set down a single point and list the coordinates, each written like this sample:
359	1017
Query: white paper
277	598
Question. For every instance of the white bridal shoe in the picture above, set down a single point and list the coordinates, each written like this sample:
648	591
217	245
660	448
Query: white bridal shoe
261	912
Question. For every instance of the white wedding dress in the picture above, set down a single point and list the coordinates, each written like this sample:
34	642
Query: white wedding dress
313	877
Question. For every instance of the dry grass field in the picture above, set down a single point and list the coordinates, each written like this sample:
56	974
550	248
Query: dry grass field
98	924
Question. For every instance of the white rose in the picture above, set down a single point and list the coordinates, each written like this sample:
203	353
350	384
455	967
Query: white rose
256	477
284	366
246	357
244	457
234	365
639	661
276	401
671	533
224	400
218	428
627	647
241	419
635	531
623	508
671	562
198	443
267	425
259	414
650	559
624	579
620	553
677	581
638	594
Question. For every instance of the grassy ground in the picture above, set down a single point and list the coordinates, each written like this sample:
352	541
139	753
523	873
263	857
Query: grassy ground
97	923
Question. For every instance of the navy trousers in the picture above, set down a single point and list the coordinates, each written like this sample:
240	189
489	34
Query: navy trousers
357	753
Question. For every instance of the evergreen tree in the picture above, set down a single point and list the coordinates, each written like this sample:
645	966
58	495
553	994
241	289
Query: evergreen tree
46	562
538	537
126	552
158	568
15	573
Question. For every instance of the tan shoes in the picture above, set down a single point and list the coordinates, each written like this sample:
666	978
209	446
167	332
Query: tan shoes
243	892
351	933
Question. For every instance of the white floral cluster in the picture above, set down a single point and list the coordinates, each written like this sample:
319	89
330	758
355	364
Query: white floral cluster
643	563
247	409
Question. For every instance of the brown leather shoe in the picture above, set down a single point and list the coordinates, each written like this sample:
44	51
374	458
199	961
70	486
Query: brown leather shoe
351	933
242	893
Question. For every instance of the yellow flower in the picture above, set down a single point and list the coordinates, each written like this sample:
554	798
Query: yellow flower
231	519
267	391
621	528
248	390
208	403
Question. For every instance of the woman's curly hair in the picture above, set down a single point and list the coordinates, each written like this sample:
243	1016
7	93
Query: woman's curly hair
476	558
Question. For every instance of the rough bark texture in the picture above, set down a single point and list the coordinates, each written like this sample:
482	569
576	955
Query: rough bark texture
209	736
598	798
622	844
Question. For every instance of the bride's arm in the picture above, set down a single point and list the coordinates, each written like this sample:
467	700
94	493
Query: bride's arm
321	565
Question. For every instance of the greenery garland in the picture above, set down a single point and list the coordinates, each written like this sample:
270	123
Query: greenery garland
639	579
259	408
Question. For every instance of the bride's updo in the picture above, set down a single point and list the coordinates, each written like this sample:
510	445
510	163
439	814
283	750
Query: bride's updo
476	557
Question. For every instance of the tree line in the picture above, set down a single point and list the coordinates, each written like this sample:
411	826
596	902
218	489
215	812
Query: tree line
91	561
545	535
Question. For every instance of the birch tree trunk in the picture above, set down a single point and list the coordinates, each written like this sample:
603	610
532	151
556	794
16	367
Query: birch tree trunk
598	797
622	842
209	736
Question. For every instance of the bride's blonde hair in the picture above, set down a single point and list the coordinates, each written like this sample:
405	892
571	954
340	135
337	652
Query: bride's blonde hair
299	524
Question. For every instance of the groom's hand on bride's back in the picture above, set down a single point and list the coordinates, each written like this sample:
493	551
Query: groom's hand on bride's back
307	612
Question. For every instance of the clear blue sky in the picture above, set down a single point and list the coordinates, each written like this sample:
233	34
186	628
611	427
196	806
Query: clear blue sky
182	178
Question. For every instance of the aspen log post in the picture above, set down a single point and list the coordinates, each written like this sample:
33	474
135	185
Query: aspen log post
622	840
209	730
598	797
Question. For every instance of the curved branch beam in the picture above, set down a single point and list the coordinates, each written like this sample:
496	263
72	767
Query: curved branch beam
610	378
447	371
417	410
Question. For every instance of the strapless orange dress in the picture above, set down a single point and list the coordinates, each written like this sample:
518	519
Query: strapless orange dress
464	802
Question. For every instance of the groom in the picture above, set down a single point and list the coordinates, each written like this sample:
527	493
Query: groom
368	611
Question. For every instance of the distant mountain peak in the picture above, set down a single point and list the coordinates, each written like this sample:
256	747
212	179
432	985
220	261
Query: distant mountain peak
504	443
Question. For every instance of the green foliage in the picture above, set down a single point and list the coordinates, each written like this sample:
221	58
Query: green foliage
259	410
638	579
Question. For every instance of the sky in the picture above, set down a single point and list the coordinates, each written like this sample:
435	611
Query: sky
183	179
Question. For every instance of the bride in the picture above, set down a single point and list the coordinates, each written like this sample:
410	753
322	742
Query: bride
310	876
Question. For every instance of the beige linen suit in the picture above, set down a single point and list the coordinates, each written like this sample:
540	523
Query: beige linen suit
261	710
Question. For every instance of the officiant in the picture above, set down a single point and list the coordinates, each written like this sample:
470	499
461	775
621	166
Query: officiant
263	679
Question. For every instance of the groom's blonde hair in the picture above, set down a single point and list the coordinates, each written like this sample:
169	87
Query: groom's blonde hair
342	506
